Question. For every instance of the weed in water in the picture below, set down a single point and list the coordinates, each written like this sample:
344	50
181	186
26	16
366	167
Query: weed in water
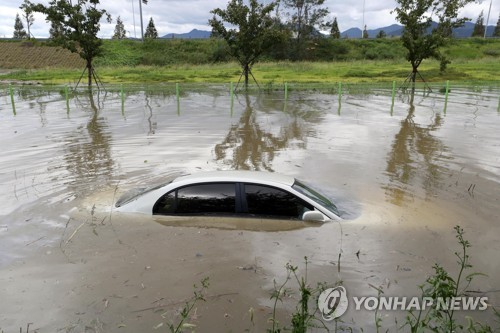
304	318
199	295
378	318
442	286
278	293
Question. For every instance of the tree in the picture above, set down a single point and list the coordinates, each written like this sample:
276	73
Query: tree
306	18
365	33
416	38
479	26
19	31
27	14
56	32
334	31
151	32
381	34
254	34
496	32
80	24
120	32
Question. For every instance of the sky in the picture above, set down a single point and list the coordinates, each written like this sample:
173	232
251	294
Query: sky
181	16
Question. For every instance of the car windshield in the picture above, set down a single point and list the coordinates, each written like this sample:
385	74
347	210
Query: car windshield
317	197
135	193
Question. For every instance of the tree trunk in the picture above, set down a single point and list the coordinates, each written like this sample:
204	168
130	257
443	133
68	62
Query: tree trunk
413	78
246	71
414	73
89	72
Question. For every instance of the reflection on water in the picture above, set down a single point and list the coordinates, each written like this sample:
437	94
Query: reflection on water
414	157
251	146
88	151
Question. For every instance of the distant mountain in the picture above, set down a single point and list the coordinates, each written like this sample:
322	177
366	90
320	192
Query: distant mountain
396	30
392	30
193	34
352	33
466	30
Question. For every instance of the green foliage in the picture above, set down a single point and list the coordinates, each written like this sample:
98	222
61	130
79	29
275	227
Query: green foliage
496	32
27	8
479	26
120	32
381	34
491	52
340	49
199	295
334	31
79	25
151	32
306	17
365	33
472	48
55	32
379	52
254	33
420	44
163	60
441	285
19	31
304	317
328	50
120	53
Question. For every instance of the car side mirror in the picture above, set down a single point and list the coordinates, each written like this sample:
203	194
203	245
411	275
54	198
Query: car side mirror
313	215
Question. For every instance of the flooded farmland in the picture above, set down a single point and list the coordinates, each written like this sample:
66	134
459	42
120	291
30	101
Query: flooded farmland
402	174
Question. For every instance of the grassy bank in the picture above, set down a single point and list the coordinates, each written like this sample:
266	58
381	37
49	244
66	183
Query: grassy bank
273	72
198	61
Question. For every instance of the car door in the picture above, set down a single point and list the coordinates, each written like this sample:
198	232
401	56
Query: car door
269	202
205	204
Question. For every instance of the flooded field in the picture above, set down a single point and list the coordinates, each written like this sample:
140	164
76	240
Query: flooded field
403	176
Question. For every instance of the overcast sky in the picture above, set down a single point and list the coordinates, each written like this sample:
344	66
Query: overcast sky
180	16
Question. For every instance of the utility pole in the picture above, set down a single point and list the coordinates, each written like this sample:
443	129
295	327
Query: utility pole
133	18
363	25
487	20
140	12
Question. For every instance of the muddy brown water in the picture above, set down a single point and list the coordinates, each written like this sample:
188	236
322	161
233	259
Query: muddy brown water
403	177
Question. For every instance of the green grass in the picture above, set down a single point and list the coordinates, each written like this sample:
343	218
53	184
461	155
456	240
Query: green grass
275	72
205	61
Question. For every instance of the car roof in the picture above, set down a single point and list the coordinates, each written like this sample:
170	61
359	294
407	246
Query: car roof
237	176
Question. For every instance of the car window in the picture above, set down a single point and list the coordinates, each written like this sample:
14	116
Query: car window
273	202
211	198
312	194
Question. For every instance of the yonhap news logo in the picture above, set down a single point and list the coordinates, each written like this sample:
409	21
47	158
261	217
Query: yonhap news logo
333	303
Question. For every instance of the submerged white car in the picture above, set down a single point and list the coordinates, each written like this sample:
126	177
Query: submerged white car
232	194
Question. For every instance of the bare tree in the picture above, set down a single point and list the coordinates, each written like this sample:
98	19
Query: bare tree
27	8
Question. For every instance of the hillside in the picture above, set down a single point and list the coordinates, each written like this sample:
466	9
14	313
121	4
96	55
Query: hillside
33	55
206	60
394	30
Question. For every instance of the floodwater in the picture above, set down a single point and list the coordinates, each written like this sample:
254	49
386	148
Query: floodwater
403	176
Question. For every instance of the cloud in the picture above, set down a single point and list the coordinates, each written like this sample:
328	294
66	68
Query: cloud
179	16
